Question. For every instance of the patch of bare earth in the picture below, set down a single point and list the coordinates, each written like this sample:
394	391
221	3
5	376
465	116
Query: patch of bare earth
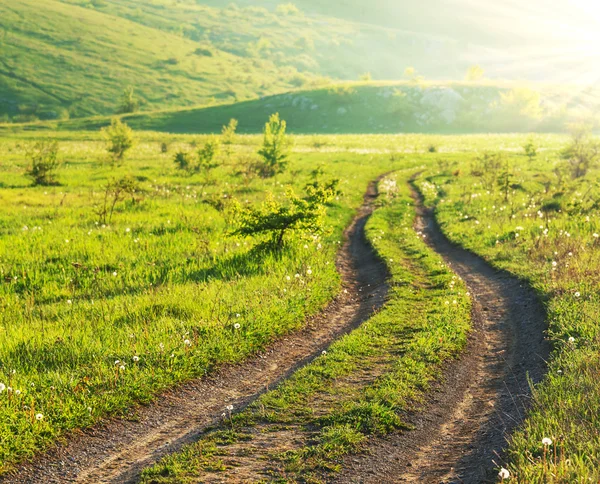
118	450
462	431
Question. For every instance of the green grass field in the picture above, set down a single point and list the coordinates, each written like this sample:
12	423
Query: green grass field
99	315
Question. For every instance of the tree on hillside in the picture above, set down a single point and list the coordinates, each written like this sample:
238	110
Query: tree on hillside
366	77
275	149
129	103
287	9
474	73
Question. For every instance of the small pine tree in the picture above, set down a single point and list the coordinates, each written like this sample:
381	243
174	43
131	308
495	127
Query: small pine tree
120	139
530	149
275	149
228	133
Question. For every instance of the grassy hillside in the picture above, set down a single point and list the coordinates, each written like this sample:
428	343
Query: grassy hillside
59	60
405	107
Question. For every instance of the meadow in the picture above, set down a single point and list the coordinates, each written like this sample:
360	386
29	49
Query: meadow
102	310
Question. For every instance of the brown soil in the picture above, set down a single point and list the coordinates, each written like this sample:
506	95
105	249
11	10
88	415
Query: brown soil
462	431
118	450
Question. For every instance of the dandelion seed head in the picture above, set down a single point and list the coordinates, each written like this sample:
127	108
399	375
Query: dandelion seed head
237	326
39	416
546	441
504	474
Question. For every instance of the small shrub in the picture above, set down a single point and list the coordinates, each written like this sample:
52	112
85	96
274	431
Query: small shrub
201	51
207	155
120	138
583	151
228	134
275	219
44	163
530	149
116	191
275	149
287	9
164	147
184	160
432	149
129	103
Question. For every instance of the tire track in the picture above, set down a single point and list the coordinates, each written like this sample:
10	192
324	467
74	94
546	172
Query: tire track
119	450
461	432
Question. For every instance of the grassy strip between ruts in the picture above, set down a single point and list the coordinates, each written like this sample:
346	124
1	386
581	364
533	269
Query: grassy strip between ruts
547	235
299	431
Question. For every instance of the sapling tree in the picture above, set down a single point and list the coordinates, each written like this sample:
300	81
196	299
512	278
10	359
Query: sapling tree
505	180
129	103
530	149
44	163
116	191
275	219
228	133
275	149
120	139
207	155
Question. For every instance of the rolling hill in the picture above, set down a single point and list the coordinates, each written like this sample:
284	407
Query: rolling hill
64	59
401	107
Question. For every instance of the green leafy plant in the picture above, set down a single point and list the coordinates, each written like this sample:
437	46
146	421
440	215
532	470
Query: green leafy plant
275	149
44	163
275	219
184	160
207	155
120	139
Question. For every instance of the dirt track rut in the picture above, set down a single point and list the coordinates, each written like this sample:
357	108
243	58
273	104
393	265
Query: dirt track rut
460	435
120	449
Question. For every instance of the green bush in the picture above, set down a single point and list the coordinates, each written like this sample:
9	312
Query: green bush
120	138
276	219
207	155
44	163
183	160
